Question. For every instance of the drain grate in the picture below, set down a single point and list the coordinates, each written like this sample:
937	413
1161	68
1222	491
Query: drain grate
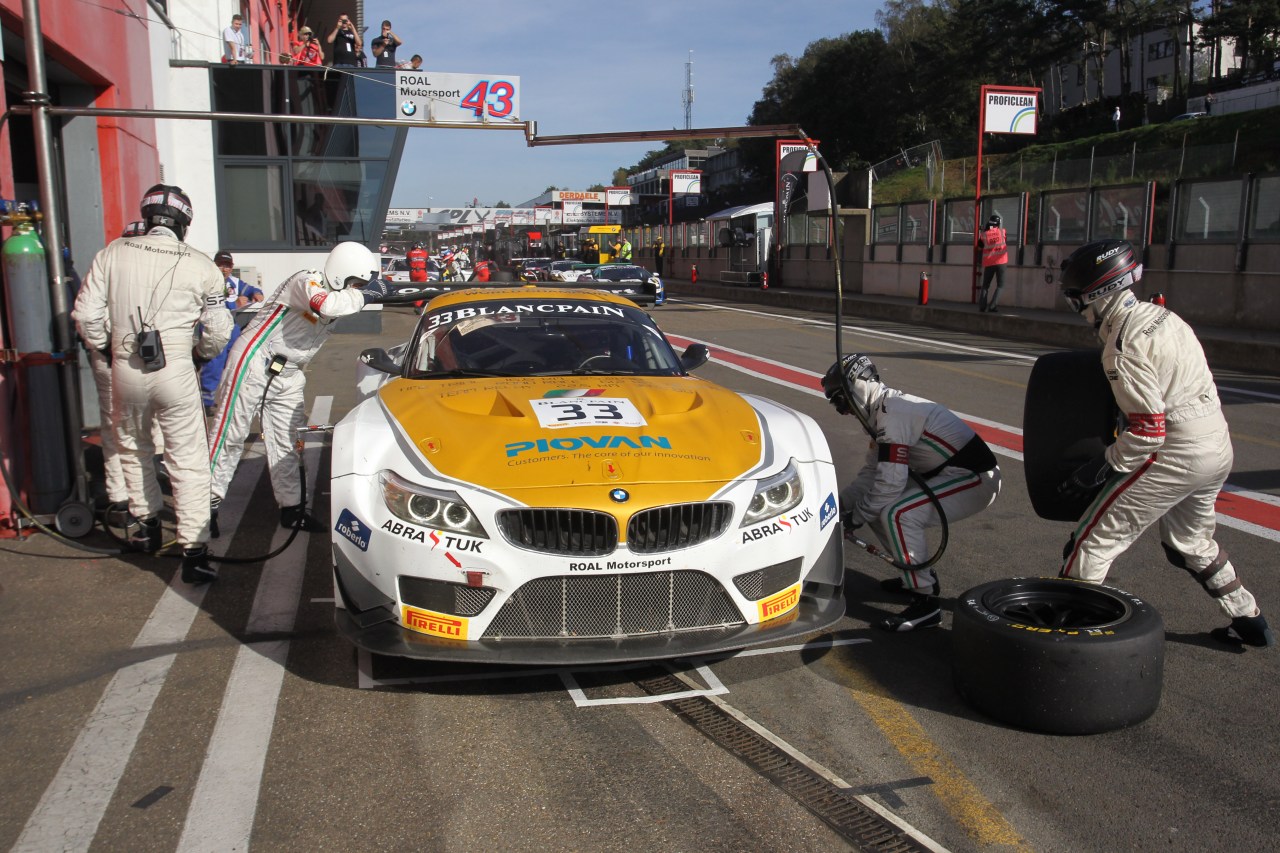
837	807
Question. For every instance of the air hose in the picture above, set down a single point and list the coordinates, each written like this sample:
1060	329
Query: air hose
836	240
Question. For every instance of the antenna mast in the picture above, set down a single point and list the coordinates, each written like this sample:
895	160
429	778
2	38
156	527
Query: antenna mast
688	93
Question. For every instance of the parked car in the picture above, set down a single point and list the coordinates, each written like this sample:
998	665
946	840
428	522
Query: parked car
1185	116
535	477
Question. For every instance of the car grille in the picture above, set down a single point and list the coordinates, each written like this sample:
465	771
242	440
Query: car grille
614	606
571	532
455	599
756	585
668	528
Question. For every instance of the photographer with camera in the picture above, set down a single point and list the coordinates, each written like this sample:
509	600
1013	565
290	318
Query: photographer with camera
384	47
139	309
307	51
347	45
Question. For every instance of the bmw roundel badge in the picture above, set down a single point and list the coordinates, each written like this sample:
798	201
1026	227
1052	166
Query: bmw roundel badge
619	496
408	107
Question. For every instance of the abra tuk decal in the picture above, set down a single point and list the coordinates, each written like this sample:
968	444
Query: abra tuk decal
353	530
435	624
425	535
781	524
830	509
779	603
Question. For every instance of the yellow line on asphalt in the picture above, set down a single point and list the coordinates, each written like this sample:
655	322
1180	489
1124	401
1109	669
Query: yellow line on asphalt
961	798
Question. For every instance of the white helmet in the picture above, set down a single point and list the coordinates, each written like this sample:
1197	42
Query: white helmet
349	261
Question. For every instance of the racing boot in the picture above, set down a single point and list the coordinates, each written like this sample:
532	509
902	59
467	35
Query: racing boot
145	535
296	516
195	565
214	532
924	611
899	586
1246	631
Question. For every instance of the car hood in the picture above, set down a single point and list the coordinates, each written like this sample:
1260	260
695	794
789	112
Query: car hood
690	436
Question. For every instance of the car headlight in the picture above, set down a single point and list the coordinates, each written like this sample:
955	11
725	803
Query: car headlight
775	495
429	507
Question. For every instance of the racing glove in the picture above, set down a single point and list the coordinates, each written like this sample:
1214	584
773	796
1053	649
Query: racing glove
376	290
1086	480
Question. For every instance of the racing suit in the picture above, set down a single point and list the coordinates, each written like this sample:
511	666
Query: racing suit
995	256
1170	462
915	434
417	259
165	284
291	326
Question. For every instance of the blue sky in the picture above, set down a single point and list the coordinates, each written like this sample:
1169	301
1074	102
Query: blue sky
590	68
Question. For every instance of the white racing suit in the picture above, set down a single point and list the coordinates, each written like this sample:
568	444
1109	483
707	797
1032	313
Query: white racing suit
1170	462
164	284
915	434
291	325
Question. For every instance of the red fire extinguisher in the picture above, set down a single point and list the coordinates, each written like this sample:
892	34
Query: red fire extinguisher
1157	298
764	281
693	274
924	289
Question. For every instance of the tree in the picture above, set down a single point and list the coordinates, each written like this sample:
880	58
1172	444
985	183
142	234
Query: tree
1254	26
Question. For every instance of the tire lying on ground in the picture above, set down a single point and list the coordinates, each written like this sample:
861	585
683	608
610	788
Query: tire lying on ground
1068	418
1058	655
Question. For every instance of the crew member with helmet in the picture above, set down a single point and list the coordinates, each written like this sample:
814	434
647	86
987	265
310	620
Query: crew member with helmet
139	308
912	435
417	258
1172	460
995	257
264	374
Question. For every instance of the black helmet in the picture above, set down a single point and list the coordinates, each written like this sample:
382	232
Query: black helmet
1098	270
861	373
995	221
168	206
419	246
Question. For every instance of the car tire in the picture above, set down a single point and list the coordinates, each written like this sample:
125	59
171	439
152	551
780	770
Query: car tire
1058	655
1068	418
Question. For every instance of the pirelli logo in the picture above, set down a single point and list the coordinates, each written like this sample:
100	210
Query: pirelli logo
779	603
435	624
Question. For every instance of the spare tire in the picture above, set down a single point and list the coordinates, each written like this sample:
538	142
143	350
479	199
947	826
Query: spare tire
1058	655
1068	418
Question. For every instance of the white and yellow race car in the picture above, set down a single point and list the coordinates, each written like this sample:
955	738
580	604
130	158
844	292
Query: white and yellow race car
536	478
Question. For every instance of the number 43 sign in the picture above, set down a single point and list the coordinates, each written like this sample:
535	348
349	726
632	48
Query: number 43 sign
446	97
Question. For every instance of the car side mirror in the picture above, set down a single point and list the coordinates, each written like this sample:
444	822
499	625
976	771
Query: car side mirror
695	356
380	361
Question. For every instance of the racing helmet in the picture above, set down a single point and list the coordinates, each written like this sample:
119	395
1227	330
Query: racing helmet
863	381
996	221
419	246
1096	275
349	264
167	205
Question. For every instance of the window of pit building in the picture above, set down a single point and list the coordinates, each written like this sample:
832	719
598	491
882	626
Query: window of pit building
1064	216
1208	211
285	185
957	221
1264	213
884	223
1122	213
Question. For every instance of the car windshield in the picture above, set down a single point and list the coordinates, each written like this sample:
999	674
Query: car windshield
540	337
621	274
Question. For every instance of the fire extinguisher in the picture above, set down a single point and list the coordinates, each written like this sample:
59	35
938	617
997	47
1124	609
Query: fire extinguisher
923	298
1157	298
693	274
764	281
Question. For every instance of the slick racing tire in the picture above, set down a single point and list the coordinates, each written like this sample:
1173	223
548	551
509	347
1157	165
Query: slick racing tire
1069	417
1057	655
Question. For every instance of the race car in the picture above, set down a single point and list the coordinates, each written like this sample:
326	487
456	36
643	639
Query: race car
628	273
536	478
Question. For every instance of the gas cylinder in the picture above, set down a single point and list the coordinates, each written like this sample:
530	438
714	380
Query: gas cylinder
923	298
46	469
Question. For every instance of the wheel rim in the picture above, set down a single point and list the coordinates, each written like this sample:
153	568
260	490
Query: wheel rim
1066	606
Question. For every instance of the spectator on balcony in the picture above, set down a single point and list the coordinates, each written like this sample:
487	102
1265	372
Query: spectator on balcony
384	47
307	51
347	44
235	42
413	64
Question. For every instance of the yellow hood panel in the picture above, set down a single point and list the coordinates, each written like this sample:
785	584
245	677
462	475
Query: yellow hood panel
695	437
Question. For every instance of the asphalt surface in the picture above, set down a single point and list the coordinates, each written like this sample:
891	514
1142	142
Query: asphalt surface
138	714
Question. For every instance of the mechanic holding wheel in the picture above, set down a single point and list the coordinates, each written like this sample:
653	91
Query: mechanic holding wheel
913	436
1174	457
264	372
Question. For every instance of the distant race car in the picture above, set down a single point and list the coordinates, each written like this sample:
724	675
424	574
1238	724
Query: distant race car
567	270
536	478
644	281
533	269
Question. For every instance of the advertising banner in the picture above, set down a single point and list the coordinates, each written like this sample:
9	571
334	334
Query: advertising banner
445	96
686	181
794	159
1009	112
589	196
618	196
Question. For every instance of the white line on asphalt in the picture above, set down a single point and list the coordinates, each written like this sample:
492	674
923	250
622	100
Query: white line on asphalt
71	808
714	687
225	800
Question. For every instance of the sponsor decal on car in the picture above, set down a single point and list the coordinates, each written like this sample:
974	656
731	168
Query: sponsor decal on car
435	624
781	524
603	442
425	535
828	512
779	603
353	530
559	412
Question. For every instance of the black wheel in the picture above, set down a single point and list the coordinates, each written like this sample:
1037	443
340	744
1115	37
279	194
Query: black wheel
1069	417
74	519
1058	655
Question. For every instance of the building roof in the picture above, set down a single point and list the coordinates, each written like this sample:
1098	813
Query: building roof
730	212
